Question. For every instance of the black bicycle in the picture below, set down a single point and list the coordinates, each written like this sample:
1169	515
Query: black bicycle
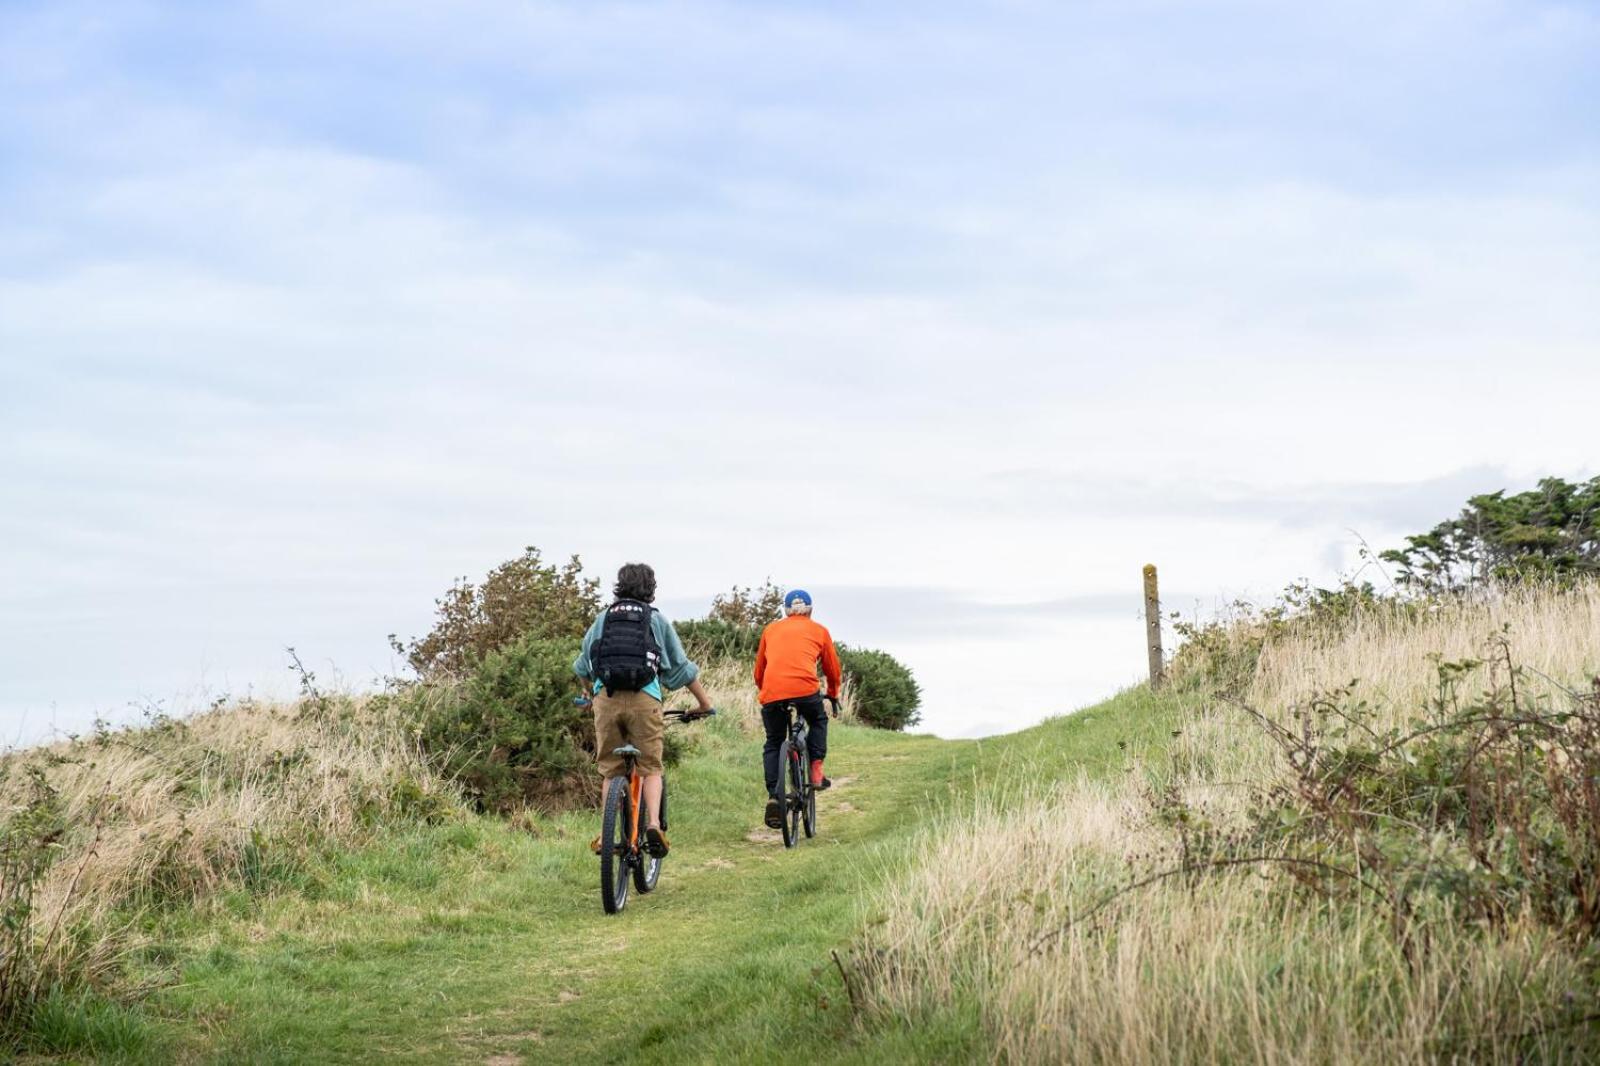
622	853
797	797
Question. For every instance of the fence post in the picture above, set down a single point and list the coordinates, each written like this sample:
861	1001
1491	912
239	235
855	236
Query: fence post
1152	624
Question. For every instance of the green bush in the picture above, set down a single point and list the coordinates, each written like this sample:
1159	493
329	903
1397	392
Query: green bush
709	640
509	731
886	695
522	597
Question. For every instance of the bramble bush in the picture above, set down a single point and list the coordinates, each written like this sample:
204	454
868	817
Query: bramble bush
1483	809
30	841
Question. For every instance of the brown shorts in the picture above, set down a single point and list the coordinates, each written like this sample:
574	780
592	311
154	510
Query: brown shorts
627	718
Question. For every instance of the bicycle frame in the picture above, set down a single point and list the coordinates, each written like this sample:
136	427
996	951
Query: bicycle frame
622	855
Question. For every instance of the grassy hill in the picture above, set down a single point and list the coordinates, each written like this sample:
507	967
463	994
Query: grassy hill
1012	899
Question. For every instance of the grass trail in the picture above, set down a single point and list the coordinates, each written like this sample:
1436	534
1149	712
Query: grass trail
483	942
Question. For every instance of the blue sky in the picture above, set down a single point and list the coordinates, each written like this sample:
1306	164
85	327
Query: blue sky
958	312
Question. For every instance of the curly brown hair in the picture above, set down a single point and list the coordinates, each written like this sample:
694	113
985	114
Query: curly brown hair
635	581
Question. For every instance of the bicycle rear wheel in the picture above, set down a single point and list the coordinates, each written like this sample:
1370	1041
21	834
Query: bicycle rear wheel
647	871
808	810
614	847
788	794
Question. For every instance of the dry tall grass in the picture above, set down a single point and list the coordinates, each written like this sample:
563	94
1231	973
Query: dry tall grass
1014	908
1554	632
182	807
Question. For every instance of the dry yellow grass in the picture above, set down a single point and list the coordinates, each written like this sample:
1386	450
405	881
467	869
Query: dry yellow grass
1555	633
187	806
1006	911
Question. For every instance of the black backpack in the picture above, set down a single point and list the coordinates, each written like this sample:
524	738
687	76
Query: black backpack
626	657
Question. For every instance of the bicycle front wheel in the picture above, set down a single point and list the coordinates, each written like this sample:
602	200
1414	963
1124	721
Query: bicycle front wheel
614	847
789	795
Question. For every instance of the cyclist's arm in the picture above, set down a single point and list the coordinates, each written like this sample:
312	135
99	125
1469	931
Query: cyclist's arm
581	666
698	691
761	659
830	665
676	670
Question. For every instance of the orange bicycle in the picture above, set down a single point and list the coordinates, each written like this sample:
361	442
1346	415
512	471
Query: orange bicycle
622	856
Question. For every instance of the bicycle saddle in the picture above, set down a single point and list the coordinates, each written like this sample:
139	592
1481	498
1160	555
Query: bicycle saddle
626	749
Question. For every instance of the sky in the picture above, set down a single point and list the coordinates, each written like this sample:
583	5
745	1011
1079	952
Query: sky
954	314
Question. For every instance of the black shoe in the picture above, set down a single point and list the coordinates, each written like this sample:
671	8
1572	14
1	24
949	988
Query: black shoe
774	815
826	784
655	843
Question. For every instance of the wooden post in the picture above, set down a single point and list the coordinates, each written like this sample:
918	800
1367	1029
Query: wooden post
1152	624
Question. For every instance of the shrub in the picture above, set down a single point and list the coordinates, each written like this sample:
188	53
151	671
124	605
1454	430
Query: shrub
886	695
750	608
30	835
710	640
1478	810
509	731
522	597
1221	654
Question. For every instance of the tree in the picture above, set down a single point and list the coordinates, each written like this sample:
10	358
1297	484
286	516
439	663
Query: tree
1549	533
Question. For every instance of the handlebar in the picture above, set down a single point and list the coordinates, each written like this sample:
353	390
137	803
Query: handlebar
688	716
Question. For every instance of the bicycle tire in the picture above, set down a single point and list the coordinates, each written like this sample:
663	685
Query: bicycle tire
614	847
808	810
797	775
647	871
786	794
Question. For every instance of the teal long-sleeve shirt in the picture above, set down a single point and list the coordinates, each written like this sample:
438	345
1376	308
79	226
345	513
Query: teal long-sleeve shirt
676	669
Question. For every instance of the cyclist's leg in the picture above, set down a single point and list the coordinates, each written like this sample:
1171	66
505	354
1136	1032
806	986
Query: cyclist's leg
775	720
641	719
642	722
609	735
816	716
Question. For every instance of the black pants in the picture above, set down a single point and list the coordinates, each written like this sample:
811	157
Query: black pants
775	716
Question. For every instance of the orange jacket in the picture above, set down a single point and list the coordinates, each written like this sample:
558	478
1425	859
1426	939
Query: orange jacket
786	661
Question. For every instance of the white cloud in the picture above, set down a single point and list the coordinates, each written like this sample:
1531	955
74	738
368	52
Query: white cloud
993	304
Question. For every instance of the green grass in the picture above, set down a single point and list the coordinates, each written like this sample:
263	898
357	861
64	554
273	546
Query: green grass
483	942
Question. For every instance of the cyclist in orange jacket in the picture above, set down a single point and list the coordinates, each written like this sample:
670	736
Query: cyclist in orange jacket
786	673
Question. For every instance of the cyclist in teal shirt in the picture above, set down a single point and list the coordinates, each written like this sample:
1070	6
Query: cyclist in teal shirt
634	717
